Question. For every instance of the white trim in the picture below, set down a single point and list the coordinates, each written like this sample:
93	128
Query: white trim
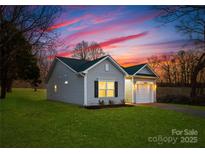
85	90
124	89
66	65
149	77
152	70
146	65
112	60
118	65
132	90
140	69
106	88
85	71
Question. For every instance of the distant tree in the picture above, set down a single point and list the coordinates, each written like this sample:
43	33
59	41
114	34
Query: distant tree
87	51
81	51
154	62
95	51
191	23
166	66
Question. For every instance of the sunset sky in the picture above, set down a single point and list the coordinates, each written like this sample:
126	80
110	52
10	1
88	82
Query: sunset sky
130	34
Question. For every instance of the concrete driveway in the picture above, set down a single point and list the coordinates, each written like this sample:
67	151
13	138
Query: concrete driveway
177	108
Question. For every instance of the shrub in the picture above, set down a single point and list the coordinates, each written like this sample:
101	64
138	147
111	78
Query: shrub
123	101
111	102
199	100
179	99
101	102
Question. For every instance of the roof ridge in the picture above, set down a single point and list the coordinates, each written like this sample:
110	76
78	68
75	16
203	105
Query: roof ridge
79	64
87	62
135	65
73	58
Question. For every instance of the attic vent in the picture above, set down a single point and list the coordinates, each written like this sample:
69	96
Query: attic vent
107	67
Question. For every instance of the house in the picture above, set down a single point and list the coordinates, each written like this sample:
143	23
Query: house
88	83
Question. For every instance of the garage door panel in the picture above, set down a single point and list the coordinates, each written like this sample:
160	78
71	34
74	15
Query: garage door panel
144	93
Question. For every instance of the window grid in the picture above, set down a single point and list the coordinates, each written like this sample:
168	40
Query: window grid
107	90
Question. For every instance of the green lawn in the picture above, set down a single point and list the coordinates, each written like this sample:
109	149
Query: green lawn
28	120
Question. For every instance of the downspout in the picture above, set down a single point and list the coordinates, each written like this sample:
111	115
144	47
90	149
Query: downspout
84	74
85	90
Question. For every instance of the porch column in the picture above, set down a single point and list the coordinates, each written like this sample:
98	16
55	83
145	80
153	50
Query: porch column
133	88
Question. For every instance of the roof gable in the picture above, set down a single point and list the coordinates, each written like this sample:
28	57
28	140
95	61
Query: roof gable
77	64
133	69
146	71
142	69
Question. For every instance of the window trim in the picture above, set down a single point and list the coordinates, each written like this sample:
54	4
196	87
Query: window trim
106	88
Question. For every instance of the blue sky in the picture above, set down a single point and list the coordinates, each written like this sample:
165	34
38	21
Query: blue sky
130	34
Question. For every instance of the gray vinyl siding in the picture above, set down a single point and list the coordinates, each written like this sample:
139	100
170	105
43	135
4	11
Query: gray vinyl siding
146	70
73	92
98	73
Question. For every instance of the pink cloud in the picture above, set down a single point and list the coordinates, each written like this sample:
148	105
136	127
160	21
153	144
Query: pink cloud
63	24
87	32
107	43
93	18
111	27
122	39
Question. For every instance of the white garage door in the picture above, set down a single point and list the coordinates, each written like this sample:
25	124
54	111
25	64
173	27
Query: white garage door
144	93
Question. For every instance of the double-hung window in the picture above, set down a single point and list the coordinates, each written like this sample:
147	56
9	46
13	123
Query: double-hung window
106	88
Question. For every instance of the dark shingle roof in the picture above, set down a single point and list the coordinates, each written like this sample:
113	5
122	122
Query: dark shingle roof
77	64
133	69
81	65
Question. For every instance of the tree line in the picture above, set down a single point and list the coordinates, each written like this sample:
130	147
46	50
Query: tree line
190	22
176	69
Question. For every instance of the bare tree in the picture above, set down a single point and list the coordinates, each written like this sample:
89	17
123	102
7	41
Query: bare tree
191	23
87	51
95	51
166	66
154	62
81	51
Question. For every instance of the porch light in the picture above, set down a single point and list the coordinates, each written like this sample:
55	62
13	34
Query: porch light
55	88
66	82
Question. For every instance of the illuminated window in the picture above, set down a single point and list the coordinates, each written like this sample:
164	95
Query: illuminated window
106	89
106	67
55	88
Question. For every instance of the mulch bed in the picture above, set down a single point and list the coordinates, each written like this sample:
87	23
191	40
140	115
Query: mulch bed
108	106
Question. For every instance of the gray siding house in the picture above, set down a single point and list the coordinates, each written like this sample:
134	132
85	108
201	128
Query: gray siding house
87	83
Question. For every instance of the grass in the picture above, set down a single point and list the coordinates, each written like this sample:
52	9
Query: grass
29	120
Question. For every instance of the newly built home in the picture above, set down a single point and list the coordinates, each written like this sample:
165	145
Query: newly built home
89	83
